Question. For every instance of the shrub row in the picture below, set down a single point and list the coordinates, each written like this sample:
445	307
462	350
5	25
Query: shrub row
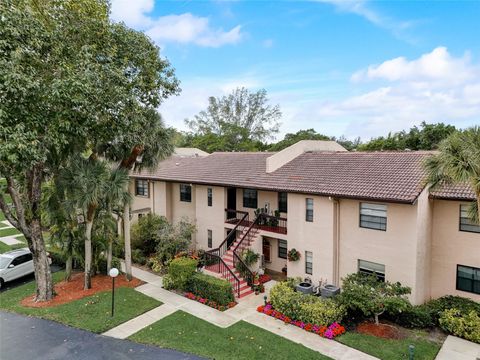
212	288
180	272
306	308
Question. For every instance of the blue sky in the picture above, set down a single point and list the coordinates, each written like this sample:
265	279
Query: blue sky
357	68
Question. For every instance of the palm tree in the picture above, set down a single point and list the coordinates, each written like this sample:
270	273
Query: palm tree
59	215
93	183
458	162
148	143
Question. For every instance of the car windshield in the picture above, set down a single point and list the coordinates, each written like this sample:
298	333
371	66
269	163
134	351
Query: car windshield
4	261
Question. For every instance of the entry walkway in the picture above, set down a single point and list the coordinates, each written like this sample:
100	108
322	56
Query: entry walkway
455	348
246	310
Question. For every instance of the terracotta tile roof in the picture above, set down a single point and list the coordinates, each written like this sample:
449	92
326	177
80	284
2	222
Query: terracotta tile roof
453	192
385	176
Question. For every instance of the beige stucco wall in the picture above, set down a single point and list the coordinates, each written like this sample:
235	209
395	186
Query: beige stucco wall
276	263
450	247
395	248
424	209
316	236
140	202
210	217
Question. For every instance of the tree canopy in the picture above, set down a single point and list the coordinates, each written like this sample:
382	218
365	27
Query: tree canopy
425	137
70	79
458	162
240	121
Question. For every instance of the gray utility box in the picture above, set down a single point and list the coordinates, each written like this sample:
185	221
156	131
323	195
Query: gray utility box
305	287
329	291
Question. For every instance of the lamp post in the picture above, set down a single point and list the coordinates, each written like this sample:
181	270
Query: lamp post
113	274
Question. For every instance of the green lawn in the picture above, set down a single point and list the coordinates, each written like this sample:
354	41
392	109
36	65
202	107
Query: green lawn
8	232
90	313
184	332
392	349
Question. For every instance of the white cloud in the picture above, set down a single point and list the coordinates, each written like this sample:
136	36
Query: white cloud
184	28
361	8
437	65
435	87
133	13
187	28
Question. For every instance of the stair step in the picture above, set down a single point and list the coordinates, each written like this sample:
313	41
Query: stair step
246	293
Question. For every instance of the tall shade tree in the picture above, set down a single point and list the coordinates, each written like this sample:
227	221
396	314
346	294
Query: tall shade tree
458	162
69	79
239	118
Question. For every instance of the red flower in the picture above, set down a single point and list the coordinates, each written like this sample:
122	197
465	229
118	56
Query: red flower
308	327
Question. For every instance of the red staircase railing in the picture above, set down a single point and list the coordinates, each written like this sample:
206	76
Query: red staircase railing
213	258
242	245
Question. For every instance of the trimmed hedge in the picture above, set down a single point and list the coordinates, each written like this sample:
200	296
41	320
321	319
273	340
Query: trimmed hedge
463	324
306	308
211	288
180	271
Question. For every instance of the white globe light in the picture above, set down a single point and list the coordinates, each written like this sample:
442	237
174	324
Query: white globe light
113	272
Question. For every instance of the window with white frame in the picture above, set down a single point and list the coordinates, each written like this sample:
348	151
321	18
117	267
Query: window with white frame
185	193
308	262
373	216
141	187
466	224
468	279
282	249
209	237
309	210
209	196
368	268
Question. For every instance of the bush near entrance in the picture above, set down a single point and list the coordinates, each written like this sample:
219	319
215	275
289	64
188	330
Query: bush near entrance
209	287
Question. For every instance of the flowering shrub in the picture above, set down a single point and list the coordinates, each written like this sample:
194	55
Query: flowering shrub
329	332
208	302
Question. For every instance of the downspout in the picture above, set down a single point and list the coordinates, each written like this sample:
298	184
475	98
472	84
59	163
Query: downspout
153	197
336	241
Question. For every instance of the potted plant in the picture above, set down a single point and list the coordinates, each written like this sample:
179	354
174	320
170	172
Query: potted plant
293	255
284	270
261	288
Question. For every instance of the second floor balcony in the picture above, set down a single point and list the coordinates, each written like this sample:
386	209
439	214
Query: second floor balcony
265	222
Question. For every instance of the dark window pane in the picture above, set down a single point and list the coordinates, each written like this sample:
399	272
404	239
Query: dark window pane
373	216
141	187
185	193
282	249
309	210
250	198
282	202
466	224
468	279
209	196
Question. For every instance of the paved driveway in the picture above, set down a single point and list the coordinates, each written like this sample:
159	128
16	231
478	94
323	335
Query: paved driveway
26	338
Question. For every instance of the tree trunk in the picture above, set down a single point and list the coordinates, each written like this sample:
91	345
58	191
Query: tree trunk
88	255
128	246
376	320
43	275
109	255
68	268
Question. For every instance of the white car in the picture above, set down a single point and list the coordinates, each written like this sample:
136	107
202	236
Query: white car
15	264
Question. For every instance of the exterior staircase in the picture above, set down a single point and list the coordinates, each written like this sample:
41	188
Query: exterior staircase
223	259
245	289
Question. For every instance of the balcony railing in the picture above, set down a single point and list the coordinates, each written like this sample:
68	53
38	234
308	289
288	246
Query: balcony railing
265	222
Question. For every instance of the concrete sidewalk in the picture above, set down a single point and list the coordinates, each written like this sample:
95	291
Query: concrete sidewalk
455	348
246	310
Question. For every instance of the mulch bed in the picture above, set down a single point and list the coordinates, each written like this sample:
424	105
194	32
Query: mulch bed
67	291
385	331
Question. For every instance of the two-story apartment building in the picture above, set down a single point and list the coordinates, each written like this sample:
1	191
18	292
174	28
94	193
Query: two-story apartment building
342	211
